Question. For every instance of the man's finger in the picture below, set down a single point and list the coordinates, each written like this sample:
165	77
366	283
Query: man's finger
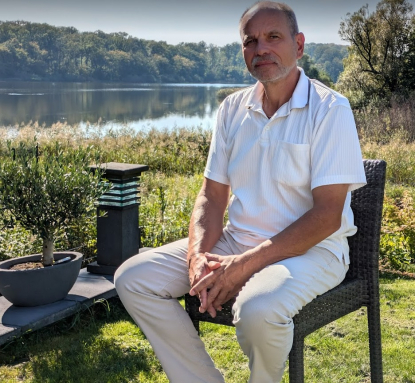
213	293
212	257
204	283
220	299
211	310
213	265
203	300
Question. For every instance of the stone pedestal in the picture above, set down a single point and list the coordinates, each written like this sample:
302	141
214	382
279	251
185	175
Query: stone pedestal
118	233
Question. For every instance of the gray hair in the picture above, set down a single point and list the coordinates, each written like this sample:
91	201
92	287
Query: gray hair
272	5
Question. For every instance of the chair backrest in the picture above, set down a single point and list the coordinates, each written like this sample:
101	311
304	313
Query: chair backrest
367	203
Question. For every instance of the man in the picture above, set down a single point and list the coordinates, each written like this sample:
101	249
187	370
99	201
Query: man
288	150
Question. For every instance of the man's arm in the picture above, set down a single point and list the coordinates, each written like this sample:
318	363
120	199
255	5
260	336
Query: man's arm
322	220
206	225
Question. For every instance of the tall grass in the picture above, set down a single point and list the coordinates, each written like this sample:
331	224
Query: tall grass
177	158
384	121
176	151
387	131
167	204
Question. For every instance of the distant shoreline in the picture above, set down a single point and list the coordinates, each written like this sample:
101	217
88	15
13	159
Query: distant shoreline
231	84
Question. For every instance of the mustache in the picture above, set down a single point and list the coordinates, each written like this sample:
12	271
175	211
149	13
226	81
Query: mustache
259	59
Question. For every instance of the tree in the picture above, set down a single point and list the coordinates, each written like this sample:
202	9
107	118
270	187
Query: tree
45	52
47	193
381	50
327	57
7	67
312	71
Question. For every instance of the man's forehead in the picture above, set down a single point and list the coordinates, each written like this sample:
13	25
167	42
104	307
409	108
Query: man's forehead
258	11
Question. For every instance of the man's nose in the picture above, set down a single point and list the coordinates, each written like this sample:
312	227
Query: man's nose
262	47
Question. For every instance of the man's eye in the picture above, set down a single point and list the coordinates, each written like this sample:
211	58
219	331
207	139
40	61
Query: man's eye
248	42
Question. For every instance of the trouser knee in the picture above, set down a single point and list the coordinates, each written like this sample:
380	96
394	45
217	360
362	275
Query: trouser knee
132	279
257	323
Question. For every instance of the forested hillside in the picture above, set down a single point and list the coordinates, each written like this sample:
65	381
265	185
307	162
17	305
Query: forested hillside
32	51
328	57
41	51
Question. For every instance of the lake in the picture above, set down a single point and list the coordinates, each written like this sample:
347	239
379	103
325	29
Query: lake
139	106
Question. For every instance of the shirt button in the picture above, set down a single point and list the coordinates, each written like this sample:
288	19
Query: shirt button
267	128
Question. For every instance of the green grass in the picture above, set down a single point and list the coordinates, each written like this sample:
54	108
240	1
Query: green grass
102	345
340	350
105	346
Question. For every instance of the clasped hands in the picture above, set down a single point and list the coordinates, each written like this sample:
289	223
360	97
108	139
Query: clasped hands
222	275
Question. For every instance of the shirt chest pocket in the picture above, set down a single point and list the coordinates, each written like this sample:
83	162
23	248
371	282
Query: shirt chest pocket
291	164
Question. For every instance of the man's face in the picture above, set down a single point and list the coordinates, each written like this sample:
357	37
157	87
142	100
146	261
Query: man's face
269	49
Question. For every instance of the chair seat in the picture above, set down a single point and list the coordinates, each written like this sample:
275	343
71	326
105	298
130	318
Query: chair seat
340	301
345	298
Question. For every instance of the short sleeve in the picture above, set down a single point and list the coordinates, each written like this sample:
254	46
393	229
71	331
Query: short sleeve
336	157
217	162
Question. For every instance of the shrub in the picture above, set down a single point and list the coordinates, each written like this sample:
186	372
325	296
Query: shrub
222	93
397	245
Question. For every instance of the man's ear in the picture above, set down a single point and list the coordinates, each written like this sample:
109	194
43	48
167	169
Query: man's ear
300	41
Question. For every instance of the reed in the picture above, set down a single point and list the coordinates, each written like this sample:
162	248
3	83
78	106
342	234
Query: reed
177	158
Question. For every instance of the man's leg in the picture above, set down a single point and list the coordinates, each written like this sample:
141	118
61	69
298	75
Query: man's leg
264	308
148	285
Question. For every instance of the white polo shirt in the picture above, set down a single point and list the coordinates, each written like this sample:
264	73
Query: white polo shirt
273	164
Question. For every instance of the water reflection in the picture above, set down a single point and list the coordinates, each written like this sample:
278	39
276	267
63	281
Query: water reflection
137	105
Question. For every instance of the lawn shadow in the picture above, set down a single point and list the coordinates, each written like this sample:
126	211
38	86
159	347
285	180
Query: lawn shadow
79	349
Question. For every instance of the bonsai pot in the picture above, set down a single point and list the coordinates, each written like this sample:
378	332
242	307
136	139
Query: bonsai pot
39	286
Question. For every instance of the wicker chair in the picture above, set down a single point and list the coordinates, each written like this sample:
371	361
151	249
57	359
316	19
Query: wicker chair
360	287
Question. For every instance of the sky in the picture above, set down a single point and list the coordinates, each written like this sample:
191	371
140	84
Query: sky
176	21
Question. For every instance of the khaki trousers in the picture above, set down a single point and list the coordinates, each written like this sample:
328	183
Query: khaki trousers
149	283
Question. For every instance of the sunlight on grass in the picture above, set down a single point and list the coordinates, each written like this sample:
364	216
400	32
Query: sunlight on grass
106	346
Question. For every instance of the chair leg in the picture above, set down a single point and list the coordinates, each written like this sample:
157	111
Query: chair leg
375	344
296	361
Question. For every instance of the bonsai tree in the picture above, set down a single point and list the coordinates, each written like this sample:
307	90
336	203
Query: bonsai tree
46	191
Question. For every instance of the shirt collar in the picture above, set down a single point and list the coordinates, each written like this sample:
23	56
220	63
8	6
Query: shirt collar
299	99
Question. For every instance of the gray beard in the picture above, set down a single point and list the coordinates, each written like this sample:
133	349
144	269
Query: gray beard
282	73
